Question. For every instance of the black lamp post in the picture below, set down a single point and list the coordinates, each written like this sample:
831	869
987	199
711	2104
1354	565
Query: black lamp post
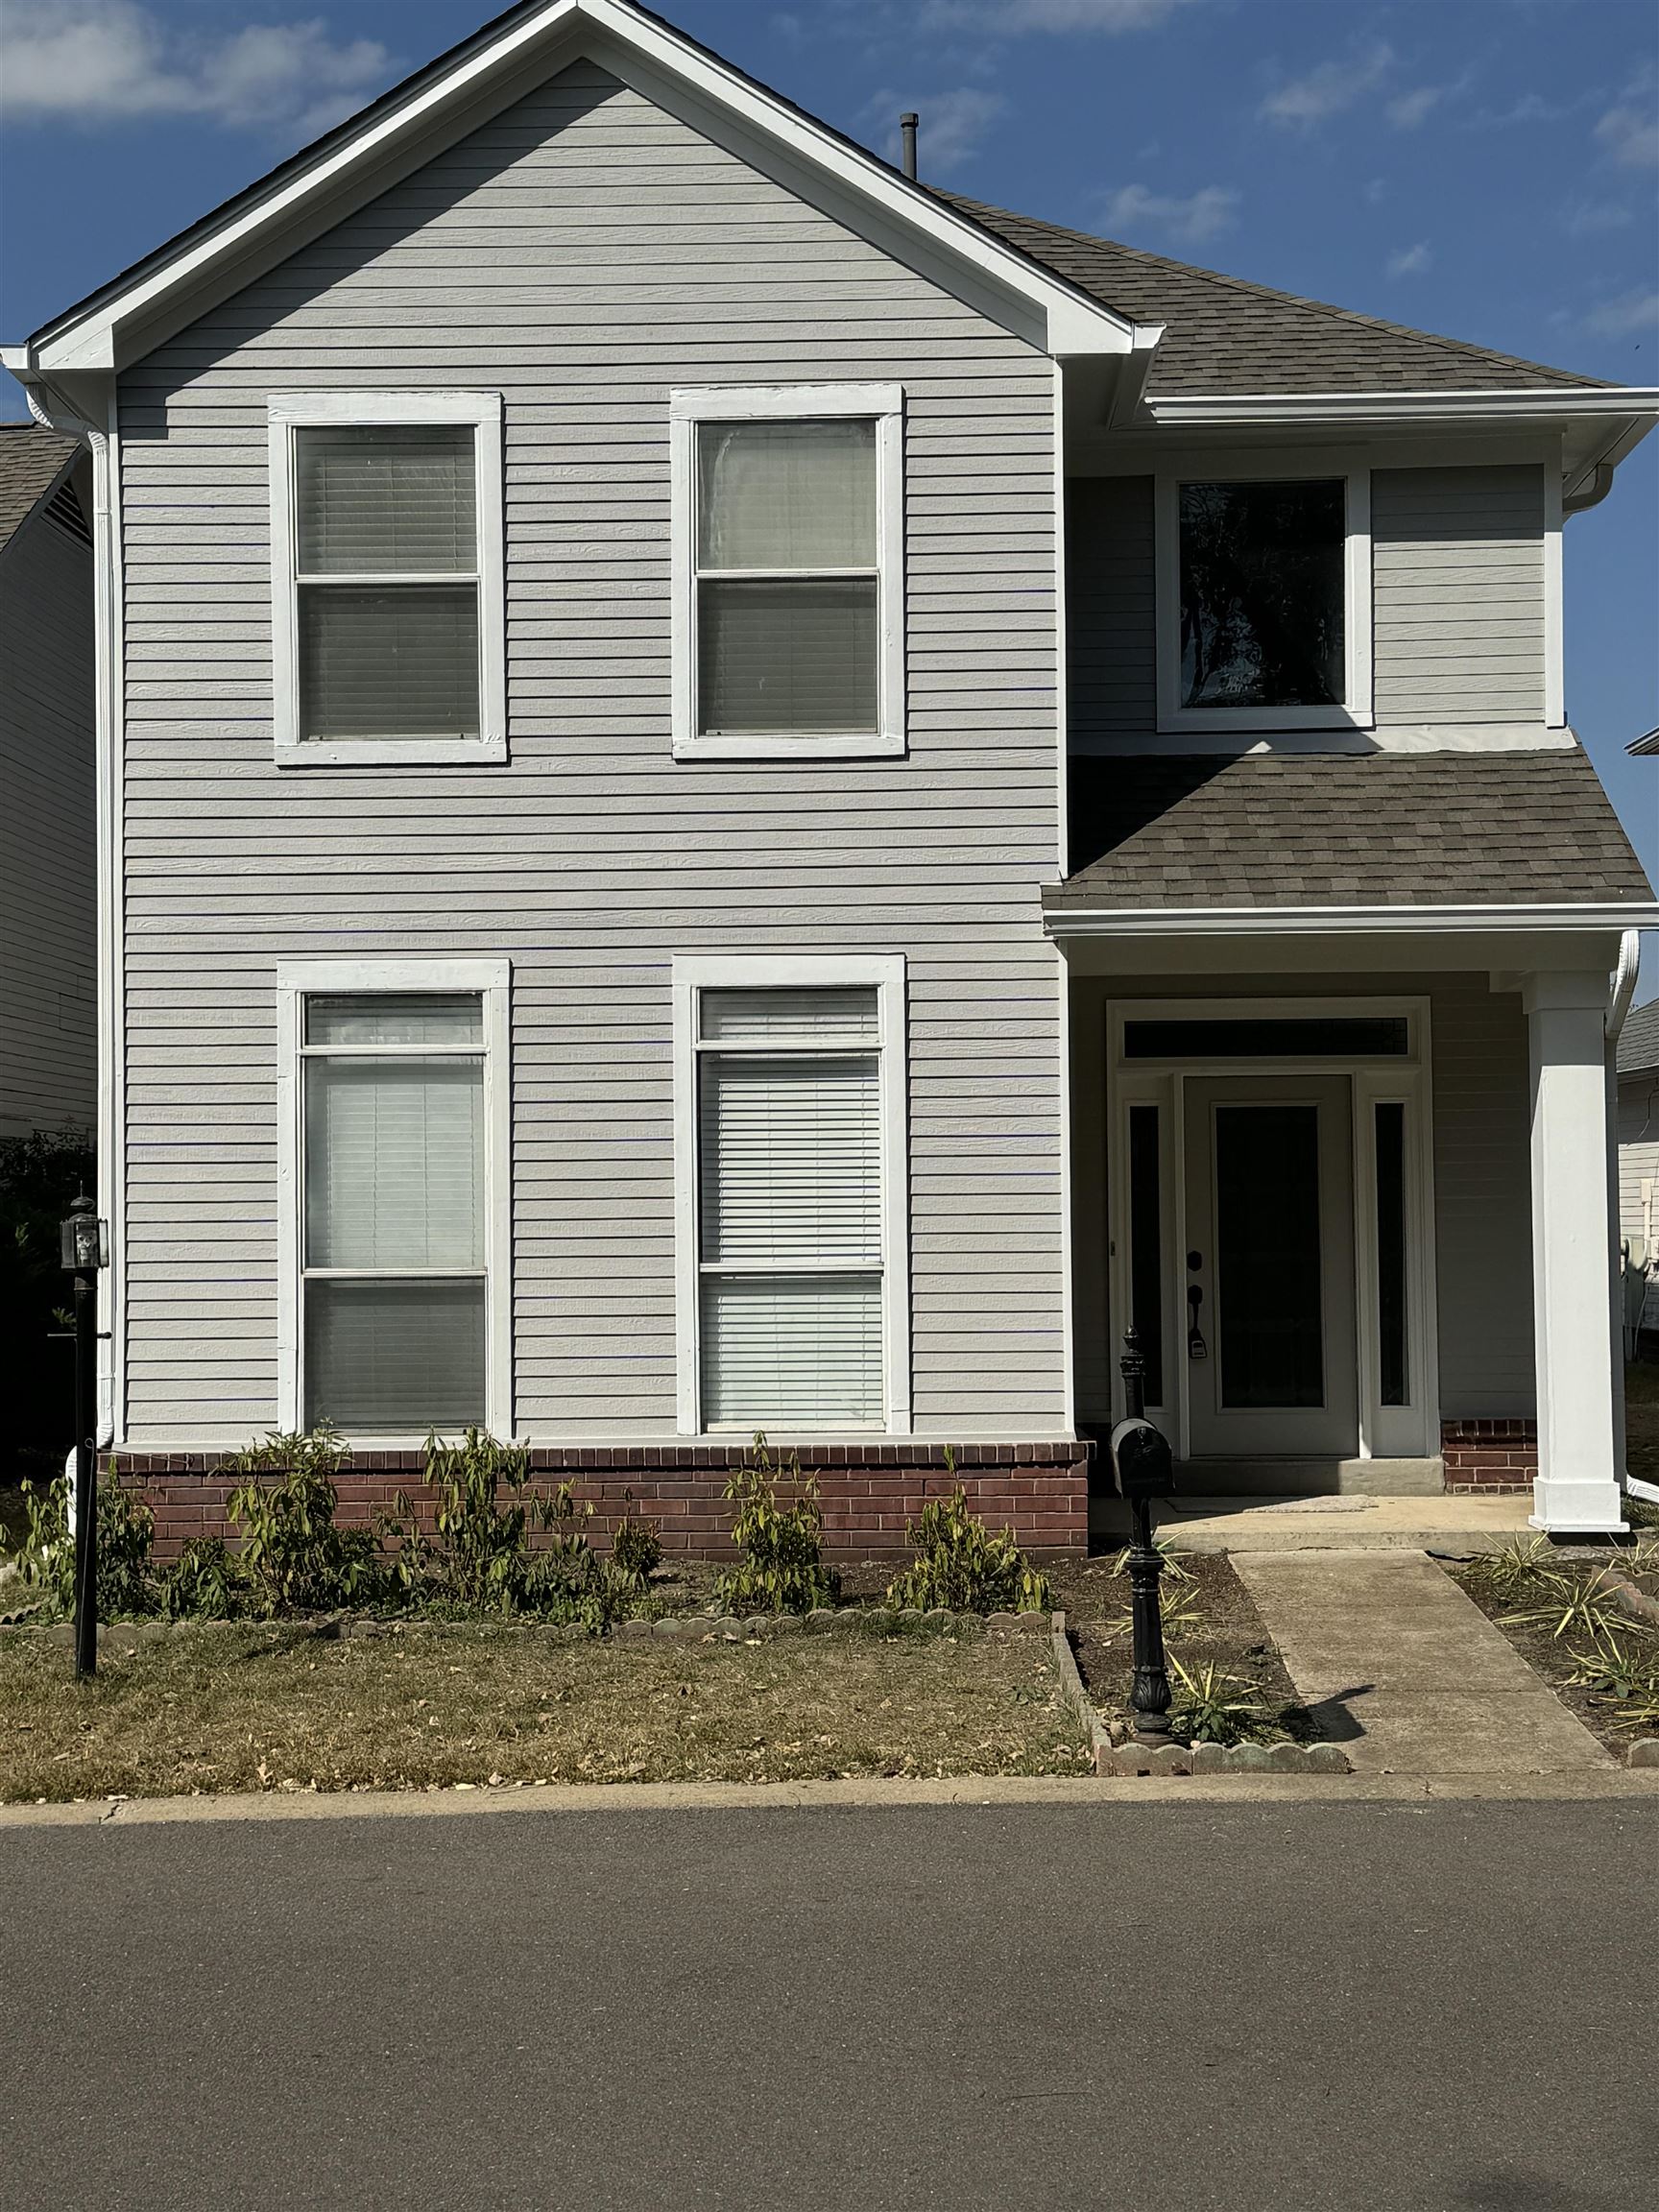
85	1248
1142	1463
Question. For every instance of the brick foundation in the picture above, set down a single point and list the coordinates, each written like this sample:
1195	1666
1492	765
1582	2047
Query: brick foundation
867	1491
1489	1455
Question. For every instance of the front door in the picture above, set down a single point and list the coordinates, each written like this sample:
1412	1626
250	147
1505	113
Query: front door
1272	1367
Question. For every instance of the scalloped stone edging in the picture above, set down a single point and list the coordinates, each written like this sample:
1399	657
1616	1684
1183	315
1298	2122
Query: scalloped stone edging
1635	1601
1126	1759
1644	1752
873	1621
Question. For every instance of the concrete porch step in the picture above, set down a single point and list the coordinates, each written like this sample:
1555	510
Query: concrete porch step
1312	1523
1265	1477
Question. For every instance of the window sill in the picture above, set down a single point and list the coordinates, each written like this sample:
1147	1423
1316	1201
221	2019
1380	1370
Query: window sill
861	745
1188	721
393	752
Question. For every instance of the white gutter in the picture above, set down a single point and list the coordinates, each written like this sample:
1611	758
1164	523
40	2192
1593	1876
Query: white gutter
1624	917
1568	404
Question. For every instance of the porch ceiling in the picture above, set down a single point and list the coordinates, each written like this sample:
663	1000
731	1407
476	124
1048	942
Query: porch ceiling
1283	831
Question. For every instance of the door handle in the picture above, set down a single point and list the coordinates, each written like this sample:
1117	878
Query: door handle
1196	1348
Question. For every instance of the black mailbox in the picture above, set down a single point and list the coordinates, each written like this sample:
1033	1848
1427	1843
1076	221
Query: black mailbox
1143	1464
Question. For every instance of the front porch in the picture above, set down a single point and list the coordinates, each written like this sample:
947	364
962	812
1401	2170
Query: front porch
1346	1165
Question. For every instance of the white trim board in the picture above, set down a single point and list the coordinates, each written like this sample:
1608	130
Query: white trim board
290	411
492	979
883	404
484	76
1326	921
695	973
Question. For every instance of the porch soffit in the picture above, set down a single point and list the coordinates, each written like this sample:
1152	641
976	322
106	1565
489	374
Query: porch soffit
1321	840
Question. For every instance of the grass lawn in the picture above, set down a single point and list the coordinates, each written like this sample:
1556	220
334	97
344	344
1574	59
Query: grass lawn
261	1708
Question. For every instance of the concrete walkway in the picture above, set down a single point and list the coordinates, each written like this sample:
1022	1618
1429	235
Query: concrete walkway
1410	1676
1347	1524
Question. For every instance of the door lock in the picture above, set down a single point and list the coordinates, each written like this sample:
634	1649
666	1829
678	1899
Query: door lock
1194	1261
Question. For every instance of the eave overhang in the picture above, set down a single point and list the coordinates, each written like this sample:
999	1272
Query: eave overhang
1260	921
395	135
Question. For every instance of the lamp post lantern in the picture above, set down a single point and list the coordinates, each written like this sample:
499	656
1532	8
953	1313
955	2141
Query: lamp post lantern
86	1249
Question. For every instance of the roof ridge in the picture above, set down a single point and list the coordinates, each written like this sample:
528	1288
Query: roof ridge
979	208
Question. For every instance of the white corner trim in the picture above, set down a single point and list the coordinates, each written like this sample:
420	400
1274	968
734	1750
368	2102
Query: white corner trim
492	979
288	411
497	68
1343	921
1554	650
1355	713
881	404
693	972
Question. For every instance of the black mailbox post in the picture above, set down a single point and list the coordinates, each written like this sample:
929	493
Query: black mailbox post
86	1249
1144	1468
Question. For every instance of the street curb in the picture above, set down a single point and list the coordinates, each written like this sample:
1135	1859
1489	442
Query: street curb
970	1793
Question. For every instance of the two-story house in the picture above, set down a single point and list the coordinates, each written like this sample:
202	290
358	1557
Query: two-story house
739	795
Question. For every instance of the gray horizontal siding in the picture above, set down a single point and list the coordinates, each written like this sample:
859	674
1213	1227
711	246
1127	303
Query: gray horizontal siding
1457	602
1458	567
583	255
48	860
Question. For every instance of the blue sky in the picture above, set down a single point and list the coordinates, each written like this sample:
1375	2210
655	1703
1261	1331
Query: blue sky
1488	168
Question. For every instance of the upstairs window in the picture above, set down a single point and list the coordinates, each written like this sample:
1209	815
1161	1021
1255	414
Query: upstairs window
387	577
788	587
1264	603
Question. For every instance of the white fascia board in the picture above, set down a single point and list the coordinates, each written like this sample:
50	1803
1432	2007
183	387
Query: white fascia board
1074	323
1208	410
1344	920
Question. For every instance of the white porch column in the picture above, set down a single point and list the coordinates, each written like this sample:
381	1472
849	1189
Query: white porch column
1577	1487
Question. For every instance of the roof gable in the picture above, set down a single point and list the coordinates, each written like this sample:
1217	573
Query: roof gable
474	80
1223	334
1639	1040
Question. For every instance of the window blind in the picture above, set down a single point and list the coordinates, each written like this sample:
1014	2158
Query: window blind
398	661
786	495
790	1208
394	1162
386	1357
374	500
796	658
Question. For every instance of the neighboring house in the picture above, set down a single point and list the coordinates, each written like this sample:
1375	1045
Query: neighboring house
745	796
1638	1143
48	850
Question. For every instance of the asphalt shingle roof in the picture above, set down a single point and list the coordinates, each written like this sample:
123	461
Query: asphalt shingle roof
31	461
1639	1040
1344	830
1226	335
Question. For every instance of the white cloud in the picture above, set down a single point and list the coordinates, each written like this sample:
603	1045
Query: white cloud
1136	209
1583	218
1412	260
1327	89
1376	192
1413	108
1630	134
113	60
1011	17
953	125
1637	309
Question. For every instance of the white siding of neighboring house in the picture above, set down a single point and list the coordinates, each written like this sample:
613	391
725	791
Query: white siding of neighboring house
1457	602
583	253
1637	1164
48	864
1482	1177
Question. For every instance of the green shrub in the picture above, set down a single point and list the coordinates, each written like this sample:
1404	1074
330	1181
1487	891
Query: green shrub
205	1582
637	1545
126	1533
294	1557
1205	1712
780	1569
961	1564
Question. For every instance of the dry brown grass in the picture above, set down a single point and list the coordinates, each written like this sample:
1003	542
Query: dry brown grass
259	1708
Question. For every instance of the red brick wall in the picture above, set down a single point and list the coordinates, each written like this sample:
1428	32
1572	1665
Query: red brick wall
1490	1454
868	1492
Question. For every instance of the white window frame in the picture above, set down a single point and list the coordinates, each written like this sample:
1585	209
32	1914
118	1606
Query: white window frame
292	411
491	981
1355	712
693	974
883	404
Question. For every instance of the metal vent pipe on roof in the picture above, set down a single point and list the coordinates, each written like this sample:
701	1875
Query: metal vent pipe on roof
907	141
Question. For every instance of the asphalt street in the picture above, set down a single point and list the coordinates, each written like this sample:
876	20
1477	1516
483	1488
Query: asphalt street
1156	2006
